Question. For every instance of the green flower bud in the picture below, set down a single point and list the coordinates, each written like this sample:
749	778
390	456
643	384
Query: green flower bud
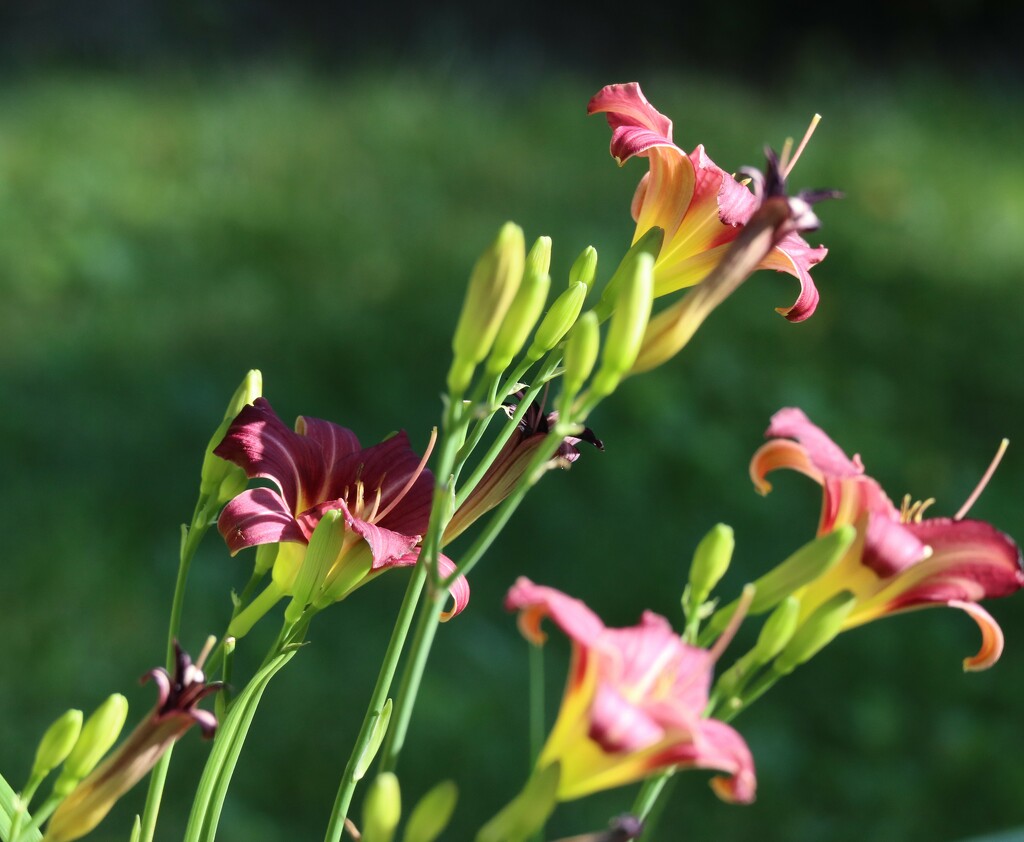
584	268
221	480
492	287
57	743
777	630
816	633
561	316
628	323
431	815
324	548
525	309
266	555
710	561
805	565
380	728
649	243
382	809
99	733
580	355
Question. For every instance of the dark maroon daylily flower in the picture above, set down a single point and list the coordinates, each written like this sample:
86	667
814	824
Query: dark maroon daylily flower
176	711
513	460
384	493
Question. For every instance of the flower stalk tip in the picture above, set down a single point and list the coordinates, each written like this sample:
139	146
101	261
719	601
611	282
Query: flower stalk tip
492	287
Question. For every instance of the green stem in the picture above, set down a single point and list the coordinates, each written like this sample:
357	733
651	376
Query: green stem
190	543
419	651
450	443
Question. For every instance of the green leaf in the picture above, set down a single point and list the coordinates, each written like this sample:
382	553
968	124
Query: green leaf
380	728
213	786
528	812
8	807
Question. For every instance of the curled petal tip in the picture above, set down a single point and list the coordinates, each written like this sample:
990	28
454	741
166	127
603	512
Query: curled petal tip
991	636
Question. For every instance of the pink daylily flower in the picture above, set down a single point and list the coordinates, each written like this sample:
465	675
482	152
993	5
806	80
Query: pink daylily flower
700	207
633	703
384	493
900	561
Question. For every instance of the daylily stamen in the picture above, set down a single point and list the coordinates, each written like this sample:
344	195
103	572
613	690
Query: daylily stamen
205	653
786	164
966	507
414	475
912	511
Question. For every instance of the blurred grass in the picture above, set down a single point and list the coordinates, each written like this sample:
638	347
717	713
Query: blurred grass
160	235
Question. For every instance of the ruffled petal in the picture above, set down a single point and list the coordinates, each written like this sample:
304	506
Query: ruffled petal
636	124
618	724
825	454
795	256
335	442
263	446
258	516
535	602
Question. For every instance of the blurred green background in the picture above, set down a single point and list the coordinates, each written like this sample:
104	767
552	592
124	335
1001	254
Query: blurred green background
169	222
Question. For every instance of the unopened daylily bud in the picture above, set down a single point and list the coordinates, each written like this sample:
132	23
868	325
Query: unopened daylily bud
584	268
431	815
525	309
649	243
560	317
628	323
99	733
324	548
221	480
580	355
382	809
710	561
816	633
777	630
492	287
57	743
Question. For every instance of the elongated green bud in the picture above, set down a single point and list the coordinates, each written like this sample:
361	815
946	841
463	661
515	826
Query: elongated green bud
584	268
266	555
221	480
99	733
628	323
431	815
777	630
492	287
525	309
649	243
710	561
580	355
382	809
805	565
560	317
57	743
324	548
380	728
816	633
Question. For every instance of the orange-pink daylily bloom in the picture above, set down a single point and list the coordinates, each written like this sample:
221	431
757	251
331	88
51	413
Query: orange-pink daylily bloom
633	703
700	207
899	561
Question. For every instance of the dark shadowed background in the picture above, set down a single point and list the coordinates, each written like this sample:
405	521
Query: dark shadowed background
188	190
